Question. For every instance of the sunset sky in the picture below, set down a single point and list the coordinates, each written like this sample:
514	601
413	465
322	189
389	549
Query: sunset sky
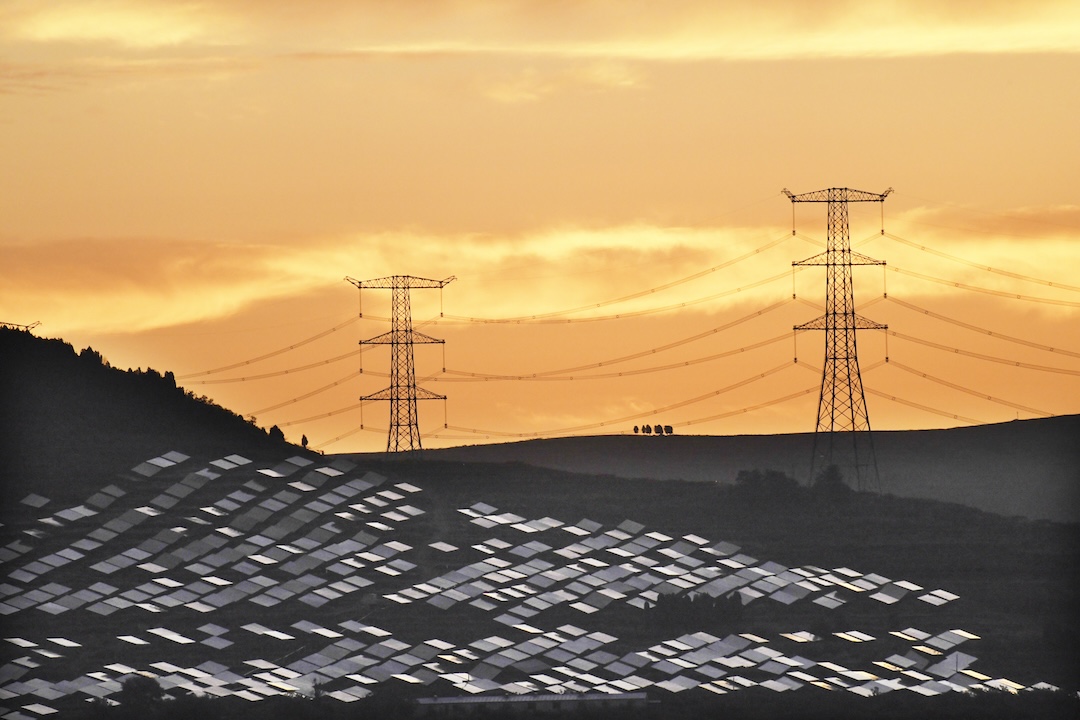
185	186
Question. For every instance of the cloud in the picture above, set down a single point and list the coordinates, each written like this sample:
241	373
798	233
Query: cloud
127	285
124	285
135	25
1025	222
697	29
531	84
114	285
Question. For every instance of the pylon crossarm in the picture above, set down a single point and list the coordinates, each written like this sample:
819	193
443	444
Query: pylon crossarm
860	259
862	323
838	195
387	338
859	323
419	337
849	257
400	281
389	394
819	259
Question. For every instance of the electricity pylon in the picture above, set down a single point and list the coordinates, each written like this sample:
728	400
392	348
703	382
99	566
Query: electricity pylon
842	403
403	393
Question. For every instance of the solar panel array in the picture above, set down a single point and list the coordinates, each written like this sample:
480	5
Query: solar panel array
237	578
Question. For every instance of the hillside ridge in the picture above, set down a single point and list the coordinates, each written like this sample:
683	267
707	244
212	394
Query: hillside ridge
59	408
1023	467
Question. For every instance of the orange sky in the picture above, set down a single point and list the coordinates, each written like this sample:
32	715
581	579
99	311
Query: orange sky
185	185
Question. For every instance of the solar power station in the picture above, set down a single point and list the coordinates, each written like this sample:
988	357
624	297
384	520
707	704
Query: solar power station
235	577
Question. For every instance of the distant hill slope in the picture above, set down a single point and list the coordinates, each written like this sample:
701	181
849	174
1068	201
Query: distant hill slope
1026	467
65	415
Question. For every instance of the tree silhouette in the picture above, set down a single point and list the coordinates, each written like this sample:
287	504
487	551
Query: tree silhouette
830	485
140	692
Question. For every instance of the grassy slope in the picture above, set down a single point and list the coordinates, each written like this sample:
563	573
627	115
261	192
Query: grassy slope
1029	467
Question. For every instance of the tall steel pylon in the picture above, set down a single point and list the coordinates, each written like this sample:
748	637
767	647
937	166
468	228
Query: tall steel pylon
842	403
403	393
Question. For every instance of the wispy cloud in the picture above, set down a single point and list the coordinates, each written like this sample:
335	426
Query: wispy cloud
124	285
532	84
694	29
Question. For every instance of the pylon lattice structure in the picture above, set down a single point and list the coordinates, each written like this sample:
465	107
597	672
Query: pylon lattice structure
403	392
842	403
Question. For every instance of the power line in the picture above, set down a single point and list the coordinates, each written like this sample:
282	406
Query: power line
902	401
624	358
988	291
322	416
324	388
980	356
987	268
919	406
625	298
275	353
969	391
349	433
979	329
480	377
592	426
279	373
741	411
630	314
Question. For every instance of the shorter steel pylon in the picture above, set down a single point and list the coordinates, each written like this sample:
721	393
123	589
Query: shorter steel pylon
404	433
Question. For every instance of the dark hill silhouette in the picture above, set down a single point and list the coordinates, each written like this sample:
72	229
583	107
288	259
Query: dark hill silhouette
1026	467
66	414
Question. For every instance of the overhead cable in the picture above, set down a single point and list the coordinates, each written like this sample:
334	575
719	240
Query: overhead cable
482	377
350	433
741	411
900	400
988	291
591	426
275	353
279	373
969	391
987	268
980	356
324	388
629	314
625	298
632	356
919	406
977	328
339	411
